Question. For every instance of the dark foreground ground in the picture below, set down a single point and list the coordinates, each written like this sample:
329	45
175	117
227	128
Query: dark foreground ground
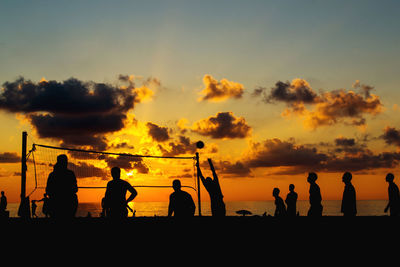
202	241
207	227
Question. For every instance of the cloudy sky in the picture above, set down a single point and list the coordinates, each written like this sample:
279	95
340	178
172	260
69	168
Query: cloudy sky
275	89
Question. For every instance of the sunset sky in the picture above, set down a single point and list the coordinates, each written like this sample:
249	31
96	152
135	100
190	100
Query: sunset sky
275	89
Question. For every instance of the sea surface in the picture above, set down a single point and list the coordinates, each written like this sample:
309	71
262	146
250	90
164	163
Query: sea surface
150	209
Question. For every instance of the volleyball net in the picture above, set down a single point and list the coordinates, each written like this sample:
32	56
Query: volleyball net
93	168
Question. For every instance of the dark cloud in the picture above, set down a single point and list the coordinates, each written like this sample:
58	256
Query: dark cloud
158	133
364	160
9	157
79	162
346	142
86	130
75	112
122	144
223	125
275	153
87	170
299	159
180	147
127	163
391	136
71	96
237	169
297	91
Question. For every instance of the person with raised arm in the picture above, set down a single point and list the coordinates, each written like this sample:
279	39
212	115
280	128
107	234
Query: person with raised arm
214	190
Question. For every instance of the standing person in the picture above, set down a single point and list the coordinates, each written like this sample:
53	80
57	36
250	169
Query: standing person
349	206
280	209
115	200
46	205
33	208
181	203
315	196
61	189
3	204
291	200
394	196
214	190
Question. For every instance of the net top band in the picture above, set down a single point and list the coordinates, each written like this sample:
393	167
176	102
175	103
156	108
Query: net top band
112	153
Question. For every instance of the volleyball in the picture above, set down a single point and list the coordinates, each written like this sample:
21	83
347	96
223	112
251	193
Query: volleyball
200	144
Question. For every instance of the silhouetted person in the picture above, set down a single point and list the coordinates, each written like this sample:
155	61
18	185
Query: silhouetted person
46	205
315	196
115	200
214	190
394	196
291	200
280	209
180	202
33	207
3	204
349	206
61	189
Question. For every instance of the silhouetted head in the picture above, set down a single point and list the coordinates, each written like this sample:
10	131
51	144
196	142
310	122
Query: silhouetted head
291	187
2	193
389	177
209	180
347	177
312	177
62	161
176	185
275	192
116	173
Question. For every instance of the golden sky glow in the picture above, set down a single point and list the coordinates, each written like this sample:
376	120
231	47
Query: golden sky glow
274	91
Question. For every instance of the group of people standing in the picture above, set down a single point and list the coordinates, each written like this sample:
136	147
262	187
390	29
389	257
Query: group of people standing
61	195
61	201
349	200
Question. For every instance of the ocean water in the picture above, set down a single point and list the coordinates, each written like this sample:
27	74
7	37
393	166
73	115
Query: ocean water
150	209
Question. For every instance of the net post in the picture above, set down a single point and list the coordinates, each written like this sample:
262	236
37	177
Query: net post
23	210
198	183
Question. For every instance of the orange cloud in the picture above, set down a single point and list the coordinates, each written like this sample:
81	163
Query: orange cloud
342	106
219	91
329	108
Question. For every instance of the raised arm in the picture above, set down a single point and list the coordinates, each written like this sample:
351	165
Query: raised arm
200	173
213	171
